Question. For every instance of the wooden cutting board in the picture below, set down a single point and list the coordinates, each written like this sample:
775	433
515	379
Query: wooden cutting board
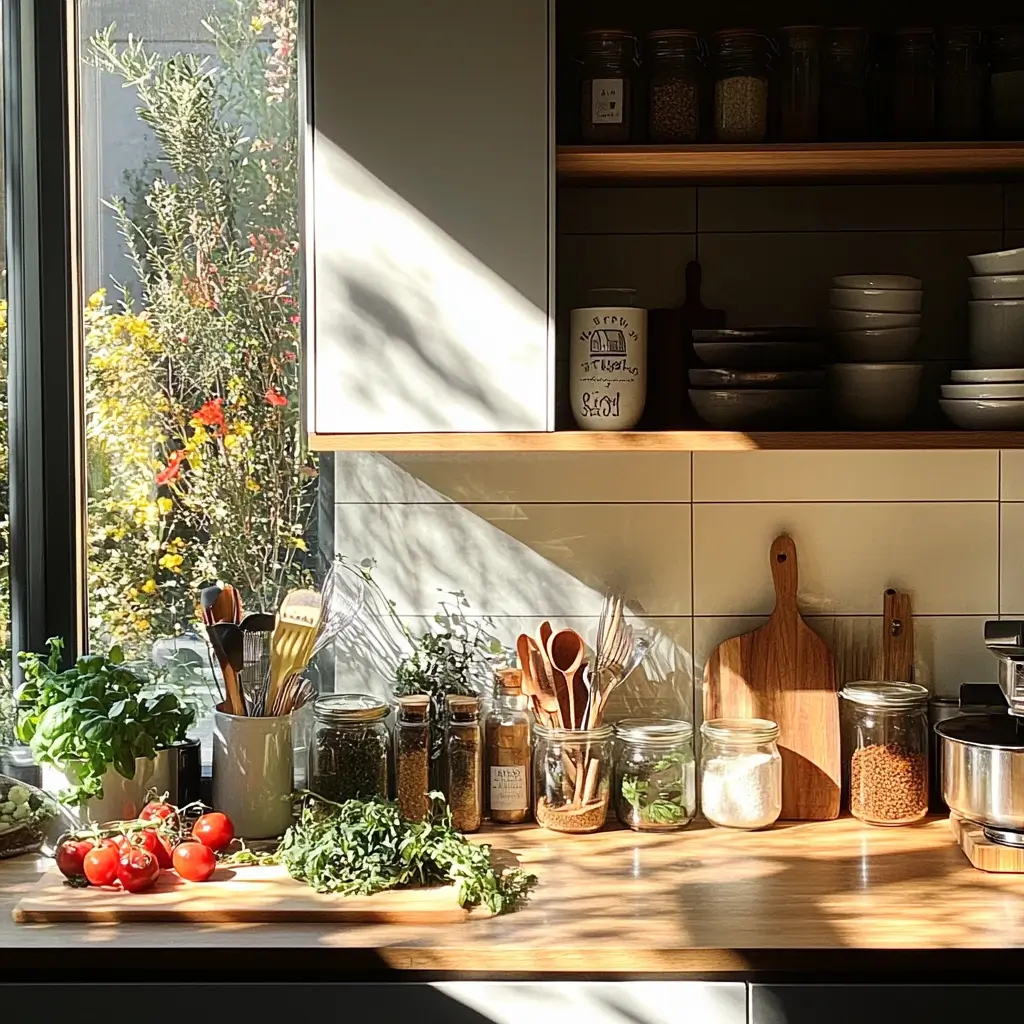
784	672
247	894
897	637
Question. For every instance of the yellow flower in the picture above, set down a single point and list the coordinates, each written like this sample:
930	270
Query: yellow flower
230	442
170	561
164	505
251	485
133	592
149	587
256	25
97	297
142	625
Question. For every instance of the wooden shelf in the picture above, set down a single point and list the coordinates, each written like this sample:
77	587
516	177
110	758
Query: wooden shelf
792	162
667	441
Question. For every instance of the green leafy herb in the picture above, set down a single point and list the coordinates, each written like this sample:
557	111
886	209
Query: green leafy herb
94	715
665	805
363	847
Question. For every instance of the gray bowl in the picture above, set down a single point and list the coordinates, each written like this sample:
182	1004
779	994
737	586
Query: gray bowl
706	377
759	355
758	409
988	414
988	264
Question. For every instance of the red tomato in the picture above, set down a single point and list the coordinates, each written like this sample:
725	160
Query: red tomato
194	862
214	830
137	869
70	855
157	810
100	866
155	843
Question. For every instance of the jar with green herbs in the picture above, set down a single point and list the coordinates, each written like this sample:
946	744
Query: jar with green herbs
655	774
608	57
677	68
348	753
741	59
412	756
464	762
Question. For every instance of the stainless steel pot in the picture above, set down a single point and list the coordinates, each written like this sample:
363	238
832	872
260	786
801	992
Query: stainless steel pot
983	768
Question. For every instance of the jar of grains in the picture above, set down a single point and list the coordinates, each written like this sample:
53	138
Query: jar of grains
741	772
844	85
1006	84
886	736
348	753
606	88
799	82
412	756
655	777
741	85
464	763
674	101
962	79
507	778
911	99
572	772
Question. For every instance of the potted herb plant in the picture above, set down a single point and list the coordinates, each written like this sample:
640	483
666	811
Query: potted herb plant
102	740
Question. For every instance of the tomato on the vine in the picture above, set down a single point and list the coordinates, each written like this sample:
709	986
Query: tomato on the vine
157	844
137	869
71	855
214	830
194	861
159	810
100	865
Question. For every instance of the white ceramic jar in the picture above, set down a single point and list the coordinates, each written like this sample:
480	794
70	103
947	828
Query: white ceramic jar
608	365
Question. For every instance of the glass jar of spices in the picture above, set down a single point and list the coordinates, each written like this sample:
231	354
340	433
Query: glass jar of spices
961	89
741	59
463	758
507	741
885	729
572	773
844	85
348	753
911	98
606	85
412	756
1006	84
674	94
741	772
799	82
655	776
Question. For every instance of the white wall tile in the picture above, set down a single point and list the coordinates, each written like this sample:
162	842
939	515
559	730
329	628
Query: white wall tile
609	211
1012	474
846	476
943	553
1011	569
524	559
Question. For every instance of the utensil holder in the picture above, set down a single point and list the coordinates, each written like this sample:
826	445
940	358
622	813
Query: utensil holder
572	777
253	774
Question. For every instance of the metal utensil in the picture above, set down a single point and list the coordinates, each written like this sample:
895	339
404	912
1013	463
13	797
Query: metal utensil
342	598
256	629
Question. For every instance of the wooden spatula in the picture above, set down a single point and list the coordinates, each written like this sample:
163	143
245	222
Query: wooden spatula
291	643
227	643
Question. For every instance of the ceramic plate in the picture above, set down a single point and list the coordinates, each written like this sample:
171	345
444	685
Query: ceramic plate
709	378
988	376
983	391
1001	414
759	355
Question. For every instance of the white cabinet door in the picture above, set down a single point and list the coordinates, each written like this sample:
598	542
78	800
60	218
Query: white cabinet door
428	212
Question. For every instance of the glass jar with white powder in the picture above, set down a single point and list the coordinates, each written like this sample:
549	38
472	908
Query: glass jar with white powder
741	772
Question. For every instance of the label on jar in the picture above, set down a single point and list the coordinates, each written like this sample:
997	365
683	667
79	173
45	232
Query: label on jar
606	101
508	787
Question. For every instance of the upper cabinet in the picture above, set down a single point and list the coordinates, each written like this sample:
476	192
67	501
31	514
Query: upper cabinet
429	217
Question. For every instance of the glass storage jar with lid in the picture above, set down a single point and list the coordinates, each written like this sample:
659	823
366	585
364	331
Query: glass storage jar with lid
741	772
572	772
412	756
799	82
464	763
912	85
1006	84
677	68
348	753
655	775
844	84
886	739
606	85
742	64
961	90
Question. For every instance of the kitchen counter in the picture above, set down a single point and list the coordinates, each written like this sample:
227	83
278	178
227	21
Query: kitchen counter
834	897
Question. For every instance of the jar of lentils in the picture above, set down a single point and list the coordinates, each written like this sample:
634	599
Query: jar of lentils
741	772
742	63
348	754
608	57
885	729
655	775
677	66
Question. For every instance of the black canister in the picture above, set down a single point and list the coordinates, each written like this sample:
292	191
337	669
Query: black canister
186	772
939	710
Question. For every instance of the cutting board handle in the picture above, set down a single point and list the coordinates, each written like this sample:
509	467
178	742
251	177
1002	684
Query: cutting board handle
784	573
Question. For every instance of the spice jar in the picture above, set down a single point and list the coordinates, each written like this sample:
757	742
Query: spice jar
412	756
741	85
507	741
655	776
606	88
911	99
348	754
1006	84
961	90
572	772
741	772
844	85
674	99
886	735
464	763
799	82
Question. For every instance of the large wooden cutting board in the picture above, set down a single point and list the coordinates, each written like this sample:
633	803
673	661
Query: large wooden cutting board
784	672
249	894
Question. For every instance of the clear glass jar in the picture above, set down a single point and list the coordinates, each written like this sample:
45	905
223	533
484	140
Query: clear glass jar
655	774
1006	83
348	754
844	85
572	773
741	772
509	751
799	82
912	85
962	78
677	68
412	756
464	763
885	729
606	85
741	59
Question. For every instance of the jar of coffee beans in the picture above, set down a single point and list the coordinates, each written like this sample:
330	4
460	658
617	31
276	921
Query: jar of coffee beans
677	66
348	754
608	57
885	727
742	64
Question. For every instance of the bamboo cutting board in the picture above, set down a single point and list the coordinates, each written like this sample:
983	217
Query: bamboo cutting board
245	894
784	672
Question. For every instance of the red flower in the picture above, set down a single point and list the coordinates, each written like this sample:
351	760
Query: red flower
211	414
171	470
289	356
295	319
275	398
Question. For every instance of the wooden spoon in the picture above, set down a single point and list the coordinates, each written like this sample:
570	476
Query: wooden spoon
227	607
566	651
226	639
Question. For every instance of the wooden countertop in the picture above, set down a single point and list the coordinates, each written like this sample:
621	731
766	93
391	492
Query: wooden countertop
832	896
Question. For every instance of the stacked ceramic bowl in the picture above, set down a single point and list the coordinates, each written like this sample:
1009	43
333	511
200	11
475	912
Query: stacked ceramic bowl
759	378
876	322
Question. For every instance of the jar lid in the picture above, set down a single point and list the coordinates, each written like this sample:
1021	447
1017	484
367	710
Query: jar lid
672	33
415	706
462	706
653	730
740	730
559	735
509	679
885	695
607	33
345	708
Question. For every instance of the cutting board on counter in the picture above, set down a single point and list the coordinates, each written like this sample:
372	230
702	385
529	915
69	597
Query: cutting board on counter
784	672
243	894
